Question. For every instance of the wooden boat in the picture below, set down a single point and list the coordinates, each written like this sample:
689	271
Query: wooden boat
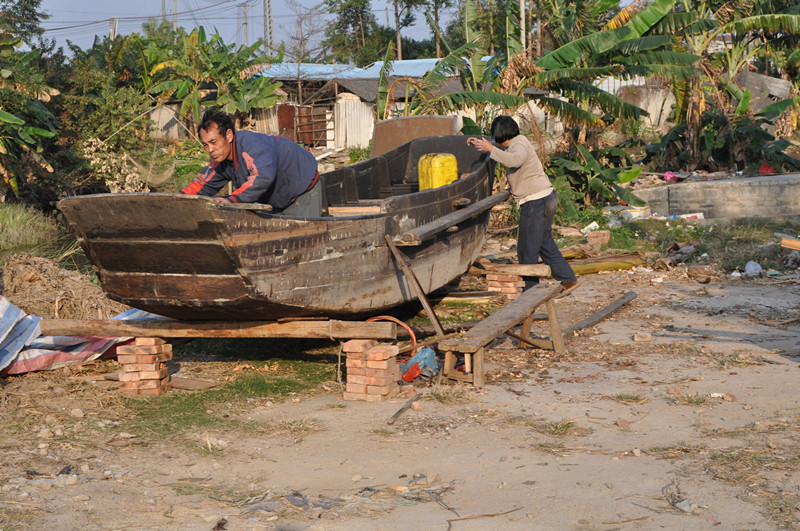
189	258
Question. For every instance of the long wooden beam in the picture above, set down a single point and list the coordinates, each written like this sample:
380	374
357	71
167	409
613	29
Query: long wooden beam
430	230
603	313
297	329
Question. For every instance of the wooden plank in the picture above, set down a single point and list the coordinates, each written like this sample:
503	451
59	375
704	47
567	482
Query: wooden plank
534	342
507	317
341	211
255	207
790	244
412	279
138	328
555	328
190	384
429	230
603	313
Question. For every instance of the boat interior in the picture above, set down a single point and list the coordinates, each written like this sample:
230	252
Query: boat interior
361	189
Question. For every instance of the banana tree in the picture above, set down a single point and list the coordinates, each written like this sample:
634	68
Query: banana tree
727	38
208	66
24	120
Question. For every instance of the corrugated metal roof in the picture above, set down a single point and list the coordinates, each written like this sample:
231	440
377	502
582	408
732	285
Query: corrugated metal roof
311	71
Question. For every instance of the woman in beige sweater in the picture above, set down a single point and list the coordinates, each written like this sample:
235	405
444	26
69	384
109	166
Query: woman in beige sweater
535	196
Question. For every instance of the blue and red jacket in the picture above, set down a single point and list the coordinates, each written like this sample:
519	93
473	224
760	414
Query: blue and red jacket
265	169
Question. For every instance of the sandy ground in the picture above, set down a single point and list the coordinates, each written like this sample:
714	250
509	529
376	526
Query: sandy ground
695	426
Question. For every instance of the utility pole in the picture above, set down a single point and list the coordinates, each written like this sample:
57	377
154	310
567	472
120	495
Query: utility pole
163	10
245	24
522	20
269	37
114	22
175	15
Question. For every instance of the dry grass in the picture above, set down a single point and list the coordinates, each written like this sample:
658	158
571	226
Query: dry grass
561	428
678	451
740	360
448	394
625	398
293	427
693	400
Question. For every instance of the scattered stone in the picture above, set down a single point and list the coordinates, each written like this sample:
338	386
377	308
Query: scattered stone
81	498
51	420
729	397
77	413
637	452
45	433
642	337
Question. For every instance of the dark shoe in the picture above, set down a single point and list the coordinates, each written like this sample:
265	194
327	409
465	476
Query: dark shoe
568	288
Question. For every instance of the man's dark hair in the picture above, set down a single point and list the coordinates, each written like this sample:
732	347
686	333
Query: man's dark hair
223	120
504	128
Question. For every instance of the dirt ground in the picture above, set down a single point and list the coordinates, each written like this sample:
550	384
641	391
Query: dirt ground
680	412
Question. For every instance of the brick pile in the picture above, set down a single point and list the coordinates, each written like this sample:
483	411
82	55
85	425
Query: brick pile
598	237
144	367
372	370
509	285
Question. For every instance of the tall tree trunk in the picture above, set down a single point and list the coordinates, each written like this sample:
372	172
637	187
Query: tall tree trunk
436	36
397	30
361	24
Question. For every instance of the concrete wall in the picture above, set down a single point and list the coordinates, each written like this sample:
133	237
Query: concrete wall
771	196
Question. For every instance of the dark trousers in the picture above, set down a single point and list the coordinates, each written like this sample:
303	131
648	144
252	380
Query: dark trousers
536	239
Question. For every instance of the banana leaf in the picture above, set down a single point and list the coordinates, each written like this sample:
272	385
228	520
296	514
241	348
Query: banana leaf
648	17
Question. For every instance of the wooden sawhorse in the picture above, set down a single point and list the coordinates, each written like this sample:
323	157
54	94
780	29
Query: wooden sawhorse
521	310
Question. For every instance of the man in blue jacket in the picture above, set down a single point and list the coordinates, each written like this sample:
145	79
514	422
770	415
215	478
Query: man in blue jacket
263	168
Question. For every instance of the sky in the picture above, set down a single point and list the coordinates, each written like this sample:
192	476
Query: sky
80	20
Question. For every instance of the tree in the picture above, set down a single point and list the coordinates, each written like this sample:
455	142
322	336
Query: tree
208	64
403	18
22	18
434	8
355	36
24	120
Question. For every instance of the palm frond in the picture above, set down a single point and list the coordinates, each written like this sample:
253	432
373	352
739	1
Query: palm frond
449	65
569	113
571	53
766	23
735	8
605	100
651	42
547	78
679	24
460	100
657	70
625	15
649	17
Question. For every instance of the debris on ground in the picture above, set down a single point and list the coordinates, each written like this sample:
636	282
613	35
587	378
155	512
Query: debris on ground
40	287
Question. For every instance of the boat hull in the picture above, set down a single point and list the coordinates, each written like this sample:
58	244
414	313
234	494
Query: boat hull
189	258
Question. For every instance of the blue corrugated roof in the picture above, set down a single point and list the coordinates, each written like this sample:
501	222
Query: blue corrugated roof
410	68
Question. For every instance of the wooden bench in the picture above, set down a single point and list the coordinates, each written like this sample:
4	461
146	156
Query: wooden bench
471	344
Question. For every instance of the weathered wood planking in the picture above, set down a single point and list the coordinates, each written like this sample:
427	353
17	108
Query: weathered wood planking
504	319
188	257
294	329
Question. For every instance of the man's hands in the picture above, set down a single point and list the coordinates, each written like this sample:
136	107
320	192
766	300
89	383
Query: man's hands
222	200
481	144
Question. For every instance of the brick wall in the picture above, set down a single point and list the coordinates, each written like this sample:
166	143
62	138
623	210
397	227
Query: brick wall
770	196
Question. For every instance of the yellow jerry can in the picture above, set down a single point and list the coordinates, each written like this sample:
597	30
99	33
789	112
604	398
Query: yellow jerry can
437	169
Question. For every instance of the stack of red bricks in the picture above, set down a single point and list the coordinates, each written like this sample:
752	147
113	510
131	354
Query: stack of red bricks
598	237
509	285
144	367
372	370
